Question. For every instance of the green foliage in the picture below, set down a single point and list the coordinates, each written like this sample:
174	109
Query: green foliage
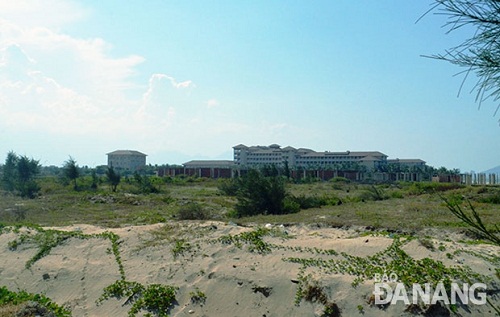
10	172
180	247
427	243
473	220
253	238
45	240
197	296
95	180
315	201
311	291
395	260
71	171
478	54
260	194
420	188
290	205
361	310
229	186
114	239
145	185
192	211
15	298
333	310
375	193
396	194
19	174
157	299
491	198
114	178
119	289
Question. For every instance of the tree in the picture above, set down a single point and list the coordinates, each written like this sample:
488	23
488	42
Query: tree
94	179
479	54
144	184
261	194
71	171
113	178
27	169
9	171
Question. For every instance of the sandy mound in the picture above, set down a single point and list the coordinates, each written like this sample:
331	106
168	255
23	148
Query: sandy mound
236	281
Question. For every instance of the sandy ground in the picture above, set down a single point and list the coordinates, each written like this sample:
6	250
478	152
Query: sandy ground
236	282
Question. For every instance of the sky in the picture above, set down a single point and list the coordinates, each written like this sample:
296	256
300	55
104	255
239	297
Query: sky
183	80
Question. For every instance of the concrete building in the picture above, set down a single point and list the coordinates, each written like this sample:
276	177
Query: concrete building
407	163
209	168
250	156
126	160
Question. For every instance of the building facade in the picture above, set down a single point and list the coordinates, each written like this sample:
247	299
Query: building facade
126	160
250	156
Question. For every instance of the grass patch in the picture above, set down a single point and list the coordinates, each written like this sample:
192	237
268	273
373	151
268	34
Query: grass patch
156	299
13	302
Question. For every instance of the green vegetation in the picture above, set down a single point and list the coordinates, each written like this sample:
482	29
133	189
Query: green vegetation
311	290
259	193
156	299
71	171
393	259
197	296
18	298
19	174
474	221
259	198
405	206
114	178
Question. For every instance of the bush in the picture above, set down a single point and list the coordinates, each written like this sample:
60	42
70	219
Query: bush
396	194
259	194
493	198
306	202
420	188
192	211
339	179
145	185
373	193
229	186
291	206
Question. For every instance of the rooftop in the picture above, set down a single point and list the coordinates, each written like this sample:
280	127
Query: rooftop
126	152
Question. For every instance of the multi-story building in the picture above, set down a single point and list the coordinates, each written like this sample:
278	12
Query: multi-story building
248	156
127	160
407	163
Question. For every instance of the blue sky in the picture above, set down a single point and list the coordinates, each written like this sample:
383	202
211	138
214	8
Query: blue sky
182	80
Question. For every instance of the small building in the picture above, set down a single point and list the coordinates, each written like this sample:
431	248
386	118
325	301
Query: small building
127	160
209	168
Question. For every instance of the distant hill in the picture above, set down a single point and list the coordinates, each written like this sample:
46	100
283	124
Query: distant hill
494	170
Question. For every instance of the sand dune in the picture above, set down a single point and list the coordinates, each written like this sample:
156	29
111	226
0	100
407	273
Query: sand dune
236	282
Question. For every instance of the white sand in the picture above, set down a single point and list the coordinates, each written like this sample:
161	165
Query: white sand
231	278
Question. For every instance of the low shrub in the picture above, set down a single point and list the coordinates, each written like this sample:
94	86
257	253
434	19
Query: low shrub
192	211
420	188
373	193
229	186
306	202
34	303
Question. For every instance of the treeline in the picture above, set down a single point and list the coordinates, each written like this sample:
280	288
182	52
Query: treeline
20	175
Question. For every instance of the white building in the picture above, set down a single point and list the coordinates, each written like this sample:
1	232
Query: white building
305	158
127	160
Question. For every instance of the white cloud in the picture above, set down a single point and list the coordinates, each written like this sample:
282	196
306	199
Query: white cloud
71	90
47	13
212	103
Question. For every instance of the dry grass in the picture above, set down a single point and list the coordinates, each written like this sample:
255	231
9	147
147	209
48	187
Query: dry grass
9	310
412	210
